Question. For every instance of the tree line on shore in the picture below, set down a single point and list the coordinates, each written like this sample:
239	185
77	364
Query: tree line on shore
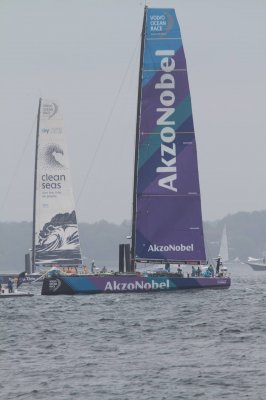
100	241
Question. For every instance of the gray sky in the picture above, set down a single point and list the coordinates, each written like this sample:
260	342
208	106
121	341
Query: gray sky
85	55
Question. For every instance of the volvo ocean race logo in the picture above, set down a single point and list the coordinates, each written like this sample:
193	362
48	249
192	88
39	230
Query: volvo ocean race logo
54	285
171	247
161	24
166	121
49	110
141	285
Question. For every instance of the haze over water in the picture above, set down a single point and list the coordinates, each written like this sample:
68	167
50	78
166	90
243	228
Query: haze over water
187	345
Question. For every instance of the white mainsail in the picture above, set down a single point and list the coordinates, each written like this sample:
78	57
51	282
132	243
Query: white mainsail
224	246
56	236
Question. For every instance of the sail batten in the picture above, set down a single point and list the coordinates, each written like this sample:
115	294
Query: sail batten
167	220
56	236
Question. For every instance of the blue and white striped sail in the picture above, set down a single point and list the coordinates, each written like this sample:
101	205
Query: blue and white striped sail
56	236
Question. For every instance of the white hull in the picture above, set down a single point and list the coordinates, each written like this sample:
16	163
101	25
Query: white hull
16	295
4	293
259	266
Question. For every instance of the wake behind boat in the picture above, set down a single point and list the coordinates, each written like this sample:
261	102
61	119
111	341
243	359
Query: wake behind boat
167	220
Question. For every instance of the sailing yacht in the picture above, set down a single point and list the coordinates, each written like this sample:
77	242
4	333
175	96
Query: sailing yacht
55	239
167	220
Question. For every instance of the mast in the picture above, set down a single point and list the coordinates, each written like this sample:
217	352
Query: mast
133	245
35	186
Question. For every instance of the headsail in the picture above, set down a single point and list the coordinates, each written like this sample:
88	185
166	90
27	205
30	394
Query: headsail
55	230
167	220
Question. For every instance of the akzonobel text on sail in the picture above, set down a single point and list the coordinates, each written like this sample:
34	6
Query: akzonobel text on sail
167	99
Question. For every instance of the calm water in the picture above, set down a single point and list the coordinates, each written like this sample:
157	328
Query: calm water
182	345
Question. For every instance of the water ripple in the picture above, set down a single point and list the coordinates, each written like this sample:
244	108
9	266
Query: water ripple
184	345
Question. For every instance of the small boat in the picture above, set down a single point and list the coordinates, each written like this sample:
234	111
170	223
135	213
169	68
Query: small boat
167	224
257	264
4	292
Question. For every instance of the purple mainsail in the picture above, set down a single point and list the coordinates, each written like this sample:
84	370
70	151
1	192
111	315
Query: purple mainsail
167	220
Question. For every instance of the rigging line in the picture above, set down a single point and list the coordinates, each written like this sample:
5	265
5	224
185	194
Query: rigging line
106	124
17	165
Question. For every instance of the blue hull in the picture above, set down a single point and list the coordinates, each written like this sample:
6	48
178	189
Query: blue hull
123	283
